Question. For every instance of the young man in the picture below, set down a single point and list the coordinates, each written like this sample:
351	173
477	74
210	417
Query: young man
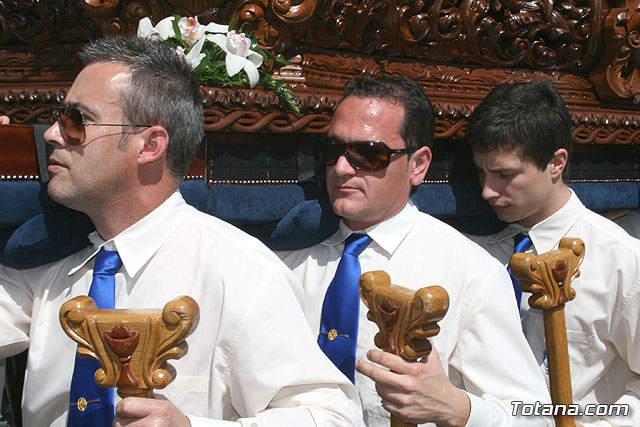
521	138
122	140
379	147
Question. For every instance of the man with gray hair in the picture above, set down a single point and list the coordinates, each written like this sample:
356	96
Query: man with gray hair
121	142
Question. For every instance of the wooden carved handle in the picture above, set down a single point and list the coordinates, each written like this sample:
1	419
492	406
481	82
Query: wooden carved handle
405	318
132	346
548	277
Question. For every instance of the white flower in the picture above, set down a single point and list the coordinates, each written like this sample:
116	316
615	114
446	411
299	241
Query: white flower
239	56
194	56
192	31
164	28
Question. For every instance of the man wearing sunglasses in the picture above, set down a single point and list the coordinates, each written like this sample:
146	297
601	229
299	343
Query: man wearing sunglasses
521	140
378	147
121	142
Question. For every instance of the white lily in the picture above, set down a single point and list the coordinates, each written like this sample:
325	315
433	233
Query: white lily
192	30
194	56
239	56
164	28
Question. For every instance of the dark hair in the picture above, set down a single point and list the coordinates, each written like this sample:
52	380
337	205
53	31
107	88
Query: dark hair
418	127
531	118
163	91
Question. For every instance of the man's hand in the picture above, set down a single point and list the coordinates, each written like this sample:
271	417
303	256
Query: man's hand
4	120
139	412
416	392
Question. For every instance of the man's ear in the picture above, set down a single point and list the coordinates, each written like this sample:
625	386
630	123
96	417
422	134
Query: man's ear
154	145
559	162
419	165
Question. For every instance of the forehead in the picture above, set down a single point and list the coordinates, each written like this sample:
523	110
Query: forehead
99	83
362	119
501	159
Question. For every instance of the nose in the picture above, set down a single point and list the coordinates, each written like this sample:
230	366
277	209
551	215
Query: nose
343	167
53	136
489	189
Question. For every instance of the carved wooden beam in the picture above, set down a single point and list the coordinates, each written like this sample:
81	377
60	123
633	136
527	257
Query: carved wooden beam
406	318
458	51
548	277
131	346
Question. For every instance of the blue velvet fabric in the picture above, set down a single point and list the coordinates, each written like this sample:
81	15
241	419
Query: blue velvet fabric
19	201
45	238
283	216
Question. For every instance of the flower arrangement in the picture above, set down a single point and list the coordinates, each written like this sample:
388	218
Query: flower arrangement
218	54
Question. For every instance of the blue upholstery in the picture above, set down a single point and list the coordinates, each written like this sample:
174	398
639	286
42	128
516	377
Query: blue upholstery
19	201
283	216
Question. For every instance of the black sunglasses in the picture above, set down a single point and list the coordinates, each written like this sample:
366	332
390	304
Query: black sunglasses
72	123
368	156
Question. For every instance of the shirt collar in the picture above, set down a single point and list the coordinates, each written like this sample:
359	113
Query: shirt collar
546	234
387	234
137	244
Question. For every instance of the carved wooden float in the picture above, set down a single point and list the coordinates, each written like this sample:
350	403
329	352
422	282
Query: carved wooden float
457	50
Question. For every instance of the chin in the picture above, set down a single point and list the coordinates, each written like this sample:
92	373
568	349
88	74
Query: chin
344	207
58	195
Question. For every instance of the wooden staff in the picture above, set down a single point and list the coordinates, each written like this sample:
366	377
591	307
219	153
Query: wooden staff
406	318
131	346
548	277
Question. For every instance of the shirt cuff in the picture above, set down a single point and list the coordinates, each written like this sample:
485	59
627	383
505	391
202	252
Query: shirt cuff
480	412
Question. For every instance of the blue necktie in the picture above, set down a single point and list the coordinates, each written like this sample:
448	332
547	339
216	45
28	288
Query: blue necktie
521	244
92	405
341	308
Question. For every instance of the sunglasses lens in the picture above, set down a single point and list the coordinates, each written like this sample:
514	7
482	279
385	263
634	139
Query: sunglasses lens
330	153
71	125
368	156
371	156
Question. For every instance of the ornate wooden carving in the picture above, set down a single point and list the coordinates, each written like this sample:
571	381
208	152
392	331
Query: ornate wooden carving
548	277
618	73
457	50
406	318
132	346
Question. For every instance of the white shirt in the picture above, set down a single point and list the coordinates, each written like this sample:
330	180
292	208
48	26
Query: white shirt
630	222
481	345
602	320
252	358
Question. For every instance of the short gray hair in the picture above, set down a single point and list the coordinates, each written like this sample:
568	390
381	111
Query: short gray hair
163	91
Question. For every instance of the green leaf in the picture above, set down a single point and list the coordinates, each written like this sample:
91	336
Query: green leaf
176	27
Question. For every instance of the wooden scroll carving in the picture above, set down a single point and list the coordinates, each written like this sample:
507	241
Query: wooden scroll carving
618	74
131	346
548	277
458	51
406	318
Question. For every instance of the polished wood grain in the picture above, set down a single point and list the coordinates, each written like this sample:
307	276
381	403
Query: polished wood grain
406	318
132	346
548	278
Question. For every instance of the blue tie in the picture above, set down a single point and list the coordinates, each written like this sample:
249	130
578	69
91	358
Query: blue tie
521	244
92	405
341	308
